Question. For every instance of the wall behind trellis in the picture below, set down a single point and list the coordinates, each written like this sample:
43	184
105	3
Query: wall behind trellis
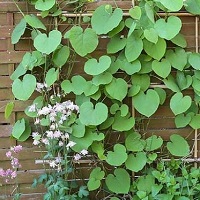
161	123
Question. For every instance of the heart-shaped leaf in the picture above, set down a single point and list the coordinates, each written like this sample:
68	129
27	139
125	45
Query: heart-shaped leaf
134	47
18	31
123	123
102	79
92	67
78	129
44	5
194	59
18	128
119	153
178	146
162	94
153	143
179	40
119	183
104	19
74	85
151	35
177	58
137	162
145	183
122	90
135	12
180	104
156	51
169	29
22	90
60	56
172	5
93	116
116	44
182	120
192	6
134	142
162	68
171	83
95	178
83	42
8	109
90	89
34	22
146	104
46	44
143	80
27	132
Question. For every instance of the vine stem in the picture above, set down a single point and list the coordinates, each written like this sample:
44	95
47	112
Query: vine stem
18	8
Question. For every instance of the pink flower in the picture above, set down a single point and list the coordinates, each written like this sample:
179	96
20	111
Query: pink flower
84	152
13	174
8	154
17	149
77	157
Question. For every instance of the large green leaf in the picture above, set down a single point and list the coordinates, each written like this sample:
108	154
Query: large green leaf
18	128
173	6
51	76
104	19
18	31
169	29
23	89
119	153
116	44
92	67
153	143
83	42
136	162
194	59
34	22
146	104
46	44
134	47
122	89
178	146
44	5
193	6
180	104
90	115
118	183
162	68
157	50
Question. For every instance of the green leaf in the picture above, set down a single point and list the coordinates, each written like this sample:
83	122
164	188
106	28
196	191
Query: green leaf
142	80
193	6
118	183
46	44
179	40
92	67
95	178
145	183
168	29
18	128
74	85
171	83
135	12
122	86
173	6
194	59
183	81
60	56
156	51
34	22
180	104
162	68
134	47
151	35
136	162
102	79
153	143
104	19
44	4
93	116
83	192
27	132
51	76
141	194
178	146
123	123
194	123
18	31
19	71
149	11
134	142
116	44
83	42
182	120
22	90
8	109
162	94
177	58
119	153
146	104
78	129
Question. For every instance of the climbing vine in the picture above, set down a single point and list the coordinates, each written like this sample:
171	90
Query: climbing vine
137	52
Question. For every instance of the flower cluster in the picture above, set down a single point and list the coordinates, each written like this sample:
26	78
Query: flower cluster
11	173
42	87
